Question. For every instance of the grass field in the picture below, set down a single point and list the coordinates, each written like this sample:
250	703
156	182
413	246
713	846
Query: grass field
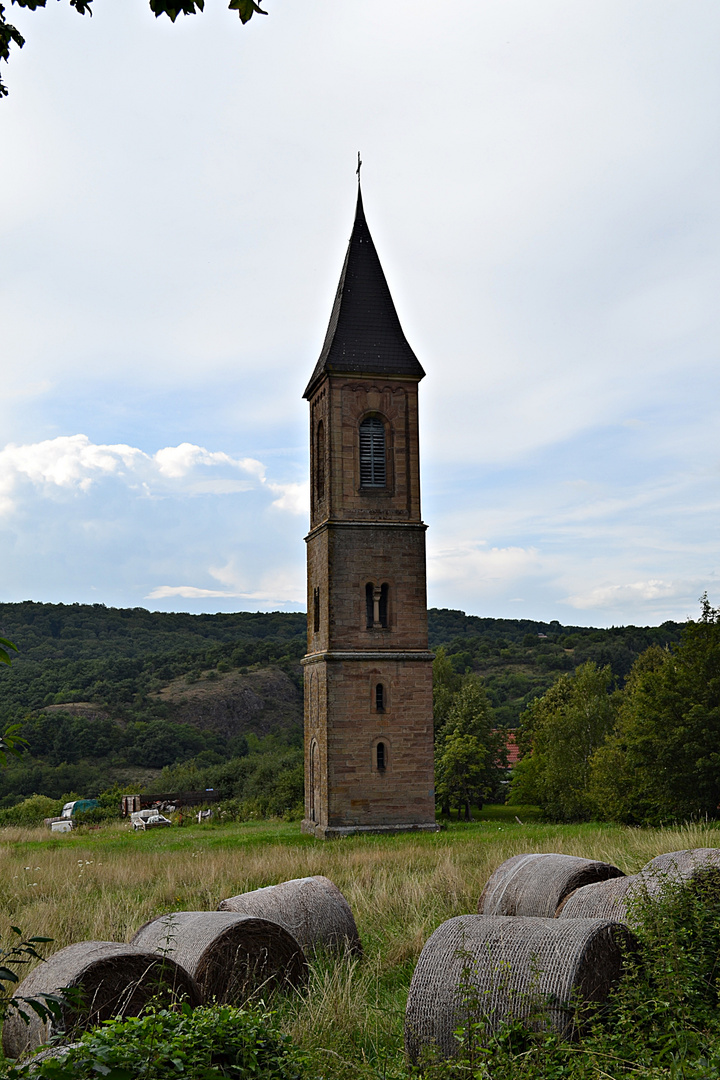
104	884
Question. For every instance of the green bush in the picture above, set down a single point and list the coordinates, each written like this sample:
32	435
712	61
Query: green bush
31	811
207	1043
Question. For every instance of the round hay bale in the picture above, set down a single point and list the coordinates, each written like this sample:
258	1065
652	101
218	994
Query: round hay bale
51	1053
491	969
605	899
312	909
230	956
615	899
685	864
113	980
537	884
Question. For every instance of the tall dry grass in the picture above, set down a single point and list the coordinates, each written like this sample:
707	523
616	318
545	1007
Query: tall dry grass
105	884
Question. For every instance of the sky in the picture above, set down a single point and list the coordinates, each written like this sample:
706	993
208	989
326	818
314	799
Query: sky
542	182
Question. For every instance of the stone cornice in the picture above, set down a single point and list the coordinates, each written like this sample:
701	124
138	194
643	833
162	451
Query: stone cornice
334	523
320	657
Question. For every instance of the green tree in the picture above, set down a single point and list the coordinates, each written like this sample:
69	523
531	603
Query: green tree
11	742
470	753
446	683
663	761
10	35
565	727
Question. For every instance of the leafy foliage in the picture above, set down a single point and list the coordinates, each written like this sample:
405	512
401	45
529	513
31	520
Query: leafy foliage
116	661
206	1043
172	8
469	753
563	729
19	952
644	755
520	659
4	654
662	761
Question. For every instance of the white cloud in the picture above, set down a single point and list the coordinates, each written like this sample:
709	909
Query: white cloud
554	263
277	588
178	461
614	596
73	464
472	561
187	592
293	497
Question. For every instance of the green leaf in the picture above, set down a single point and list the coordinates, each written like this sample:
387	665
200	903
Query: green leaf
246	9
173	8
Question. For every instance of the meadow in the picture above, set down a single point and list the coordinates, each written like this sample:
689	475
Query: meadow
104	883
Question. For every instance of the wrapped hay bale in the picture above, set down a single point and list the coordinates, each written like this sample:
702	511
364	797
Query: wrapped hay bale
312	909
537	884
686	864
110	979
230	956
615	899
50	1054
606	899
491	969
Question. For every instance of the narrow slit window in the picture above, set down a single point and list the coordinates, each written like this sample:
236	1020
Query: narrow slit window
316	609
372	452
320	461
380	756
380	698
369	606
383	612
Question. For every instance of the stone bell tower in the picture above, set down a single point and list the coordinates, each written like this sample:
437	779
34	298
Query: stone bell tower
368	672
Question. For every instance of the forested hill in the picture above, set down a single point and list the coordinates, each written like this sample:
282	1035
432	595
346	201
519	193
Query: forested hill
119	657
122	693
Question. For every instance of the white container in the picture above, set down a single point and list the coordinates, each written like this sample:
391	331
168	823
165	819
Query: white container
61	826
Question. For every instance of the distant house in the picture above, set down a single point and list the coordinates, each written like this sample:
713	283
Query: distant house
513	750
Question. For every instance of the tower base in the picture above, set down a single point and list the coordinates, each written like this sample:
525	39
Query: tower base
334	832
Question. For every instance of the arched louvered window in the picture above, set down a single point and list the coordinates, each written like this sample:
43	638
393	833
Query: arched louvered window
369	606
380	758
380	698
372	452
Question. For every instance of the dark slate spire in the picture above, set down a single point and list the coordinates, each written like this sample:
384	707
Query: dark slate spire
364	335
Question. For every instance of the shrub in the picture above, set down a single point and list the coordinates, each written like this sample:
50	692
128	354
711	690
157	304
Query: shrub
207	1043
31	811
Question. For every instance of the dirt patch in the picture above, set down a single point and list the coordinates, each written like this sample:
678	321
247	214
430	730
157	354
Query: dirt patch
232	704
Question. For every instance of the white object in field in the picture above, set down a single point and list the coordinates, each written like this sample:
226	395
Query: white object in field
67	810
148	819
61	826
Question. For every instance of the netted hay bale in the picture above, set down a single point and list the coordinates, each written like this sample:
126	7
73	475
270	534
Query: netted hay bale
491	969
230	956
620	898
112	980
537	884
312	909
52	1053
686	864
606	899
